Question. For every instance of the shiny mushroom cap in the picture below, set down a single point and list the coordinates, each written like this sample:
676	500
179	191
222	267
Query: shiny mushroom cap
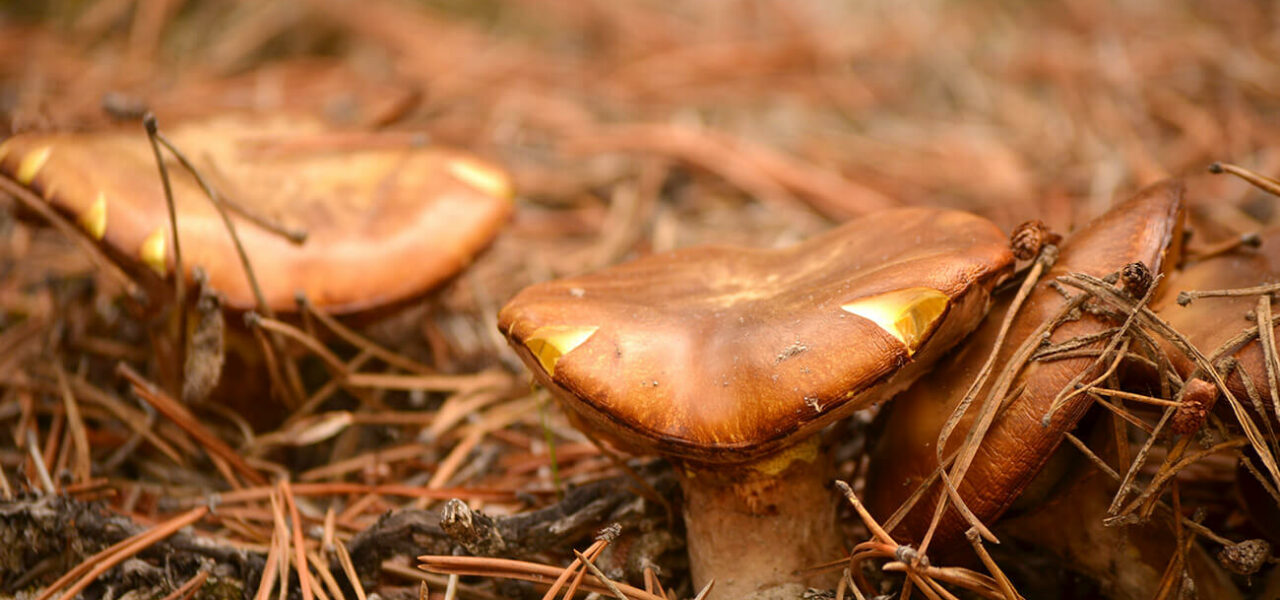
386	219
1146	228
720	354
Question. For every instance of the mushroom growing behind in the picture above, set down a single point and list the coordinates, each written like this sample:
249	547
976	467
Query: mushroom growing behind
1209	323
386	219
1146	229
728	361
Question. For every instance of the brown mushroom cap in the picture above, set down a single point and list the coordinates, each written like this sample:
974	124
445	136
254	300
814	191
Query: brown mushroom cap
385	220
724	354
1128	562
1208	323
1017	445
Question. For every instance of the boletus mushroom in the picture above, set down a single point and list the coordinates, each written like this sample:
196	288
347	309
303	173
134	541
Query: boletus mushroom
386	219
729	361
1209	323
1146	229
1216	326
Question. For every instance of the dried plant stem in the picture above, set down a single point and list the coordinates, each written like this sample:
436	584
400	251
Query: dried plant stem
179	414
349	568
271	566
180	280
75	424
188	588
295	235
359	341
342	488
1126	483
1255	399
429	383
1266	338
451	589
138	421
1262	182
549	439
593	552
291	369
1120	336
1120	412
299	546
1102	465
271	354
517	569
920	574
216	200
586	562
331	360
986	413
1167	471
6	491
37	458
1266	485
1006	586
1132	396
326	391
1187	296
1153	322
326	575
280	526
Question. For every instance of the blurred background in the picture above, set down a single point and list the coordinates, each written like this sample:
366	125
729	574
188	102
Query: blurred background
820	108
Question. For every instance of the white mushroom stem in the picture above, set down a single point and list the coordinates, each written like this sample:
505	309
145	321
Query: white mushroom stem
756	531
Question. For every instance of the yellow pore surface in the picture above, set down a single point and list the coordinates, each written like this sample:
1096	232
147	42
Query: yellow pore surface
549	343
906	314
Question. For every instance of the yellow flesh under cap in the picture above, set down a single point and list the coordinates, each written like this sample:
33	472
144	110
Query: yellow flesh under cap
906	314
549	343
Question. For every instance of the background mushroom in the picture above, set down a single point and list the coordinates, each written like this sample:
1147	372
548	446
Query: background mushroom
1146	228
1126	562
1209	323
1215	325
386	217
730	360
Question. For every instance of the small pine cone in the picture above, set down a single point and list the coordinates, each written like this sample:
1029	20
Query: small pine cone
1198	398
1028	238
1245	558
1136	279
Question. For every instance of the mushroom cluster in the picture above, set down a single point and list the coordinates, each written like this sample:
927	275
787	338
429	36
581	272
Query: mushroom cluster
730	361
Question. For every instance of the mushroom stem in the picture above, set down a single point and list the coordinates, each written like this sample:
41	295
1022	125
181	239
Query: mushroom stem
756	531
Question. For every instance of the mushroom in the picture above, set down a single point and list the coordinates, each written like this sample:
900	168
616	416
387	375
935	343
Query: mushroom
1143	229
386	219
1209	323
1128	562
729	361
